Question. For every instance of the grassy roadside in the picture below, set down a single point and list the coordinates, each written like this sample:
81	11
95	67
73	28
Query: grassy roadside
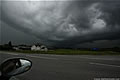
68	52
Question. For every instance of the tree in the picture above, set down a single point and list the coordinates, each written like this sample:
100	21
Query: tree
10	43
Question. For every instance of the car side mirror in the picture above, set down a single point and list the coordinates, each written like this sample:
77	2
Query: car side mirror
15	66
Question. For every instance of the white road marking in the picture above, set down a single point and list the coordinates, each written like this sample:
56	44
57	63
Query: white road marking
12	53
101	58
104	64
112	59
41	57
32	56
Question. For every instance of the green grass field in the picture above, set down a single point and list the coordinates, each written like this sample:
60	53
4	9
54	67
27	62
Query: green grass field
69	52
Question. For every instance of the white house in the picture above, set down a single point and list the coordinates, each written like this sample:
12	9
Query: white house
16	48
39	48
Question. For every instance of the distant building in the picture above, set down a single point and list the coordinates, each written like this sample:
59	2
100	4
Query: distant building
22	47
39	48
16	48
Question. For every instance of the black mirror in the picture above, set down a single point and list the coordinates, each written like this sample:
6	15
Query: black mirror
12	67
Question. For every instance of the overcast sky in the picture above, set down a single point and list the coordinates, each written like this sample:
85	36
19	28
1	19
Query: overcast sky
69	23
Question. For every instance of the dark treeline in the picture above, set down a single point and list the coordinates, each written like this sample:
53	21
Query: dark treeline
9	46
6	46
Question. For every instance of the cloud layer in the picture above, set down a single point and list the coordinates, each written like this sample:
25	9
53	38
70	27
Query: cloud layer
64	22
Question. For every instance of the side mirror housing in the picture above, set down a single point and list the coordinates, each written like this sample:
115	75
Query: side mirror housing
15	66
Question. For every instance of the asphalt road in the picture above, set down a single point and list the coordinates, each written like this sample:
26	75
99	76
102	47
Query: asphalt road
69	67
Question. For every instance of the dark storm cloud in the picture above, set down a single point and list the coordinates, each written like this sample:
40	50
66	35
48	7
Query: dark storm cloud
111	13
65	22
90	38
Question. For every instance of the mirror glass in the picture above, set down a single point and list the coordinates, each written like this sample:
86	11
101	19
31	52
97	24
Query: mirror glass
15	66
